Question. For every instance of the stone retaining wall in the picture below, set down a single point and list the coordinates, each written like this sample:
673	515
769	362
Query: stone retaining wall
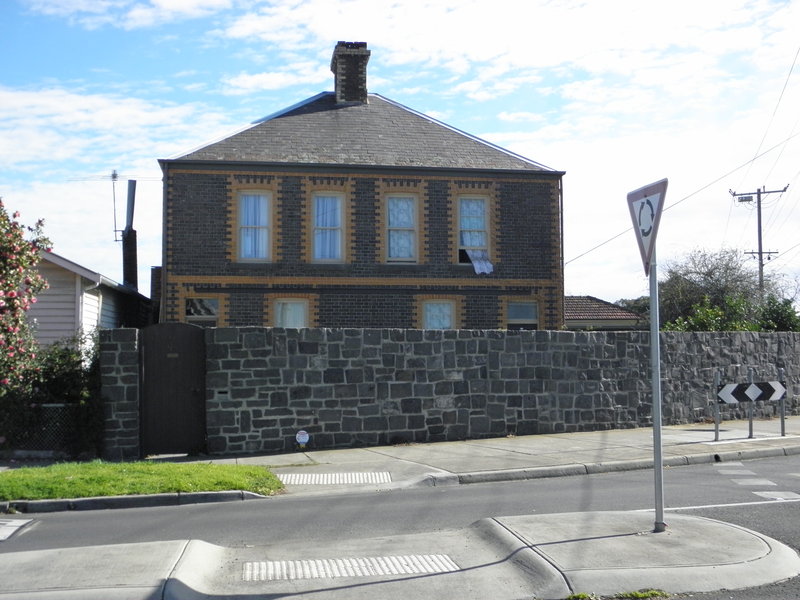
353	387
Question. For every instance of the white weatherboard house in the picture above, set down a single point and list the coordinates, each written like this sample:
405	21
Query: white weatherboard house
80	300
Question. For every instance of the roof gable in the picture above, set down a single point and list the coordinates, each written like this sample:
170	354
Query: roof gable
320	131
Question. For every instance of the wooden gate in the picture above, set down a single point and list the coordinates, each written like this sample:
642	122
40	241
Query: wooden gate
173	386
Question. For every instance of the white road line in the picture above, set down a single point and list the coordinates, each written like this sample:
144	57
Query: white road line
9	527
778	495
735	472
754	481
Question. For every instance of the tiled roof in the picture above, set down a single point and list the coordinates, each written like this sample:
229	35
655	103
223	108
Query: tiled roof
319	131
589	308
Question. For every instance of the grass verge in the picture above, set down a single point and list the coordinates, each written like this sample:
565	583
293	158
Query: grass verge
97	478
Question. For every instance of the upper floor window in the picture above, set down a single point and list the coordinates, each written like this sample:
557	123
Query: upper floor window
291	313
328	234
473	233
254	230
401	220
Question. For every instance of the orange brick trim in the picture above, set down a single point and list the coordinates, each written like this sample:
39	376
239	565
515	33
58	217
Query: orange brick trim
319	282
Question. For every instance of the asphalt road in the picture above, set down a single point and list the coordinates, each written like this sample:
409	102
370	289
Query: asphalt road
737	493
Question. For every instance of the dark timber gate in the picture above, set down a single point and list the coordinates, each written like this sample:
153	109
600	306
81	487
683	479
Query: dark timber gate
173	412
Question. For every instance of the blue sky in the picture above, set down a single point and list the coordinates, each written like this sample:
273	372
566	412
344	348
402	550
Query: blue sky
618	94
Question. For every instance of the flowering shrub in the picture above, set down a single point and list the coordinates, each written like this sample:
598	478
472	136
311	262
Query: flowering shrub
19	284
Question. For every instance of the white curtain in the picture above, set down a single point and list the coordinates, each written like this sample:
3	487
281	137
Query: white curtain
254	232
473	223
401	228
438	315
327	228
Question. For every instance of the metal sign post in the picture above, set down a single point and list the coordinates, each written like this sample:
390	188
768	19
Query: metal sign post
645	206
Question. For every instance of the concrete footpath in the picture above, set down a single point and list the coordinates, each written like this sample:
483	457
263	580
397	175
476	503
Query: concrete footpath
520	557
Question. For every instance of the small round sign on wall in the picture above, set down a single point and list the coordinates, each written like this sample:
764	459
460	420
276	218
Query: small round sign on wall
302	438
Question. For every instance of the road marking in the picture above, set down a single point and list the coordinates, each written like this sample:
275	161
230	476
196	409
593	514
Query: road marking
333	478
348	567
9	527
753	481
778	495
735	472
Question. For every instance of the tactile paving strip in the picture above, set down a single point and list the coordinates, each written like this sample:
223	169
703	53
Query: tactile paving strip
333	478
348	567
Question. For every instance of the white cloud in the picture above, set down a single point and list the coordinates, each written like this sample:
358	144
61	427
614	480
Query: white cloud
127	14
299	73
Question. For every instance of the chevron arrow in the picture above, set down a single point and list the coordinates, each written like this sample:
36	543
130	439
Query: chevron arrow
733	393
778	390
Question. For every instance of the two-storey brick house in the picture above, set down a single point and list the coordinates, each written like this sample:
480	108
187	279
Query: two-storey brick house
351	210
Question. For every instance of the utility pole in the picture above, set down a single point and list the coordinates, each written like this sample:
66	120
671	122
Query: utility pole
748	197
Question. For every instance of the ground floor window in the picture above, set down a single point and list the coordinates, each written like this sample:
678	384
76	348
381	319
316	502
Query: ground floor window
438	314
522	315
202	311
291	313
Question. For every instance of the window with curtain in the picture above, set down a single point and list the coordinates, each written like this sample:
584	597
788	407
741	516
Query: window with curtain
327	227
438	314
253	226
472	234
401	227
291	313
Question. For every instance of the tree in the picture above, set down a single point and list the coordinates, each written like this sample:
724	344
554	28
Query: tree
19	283
719	291
716	276
779	315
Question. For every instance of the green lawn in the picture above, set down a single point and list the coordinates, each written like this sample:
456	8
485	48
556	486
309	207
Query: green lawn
82	480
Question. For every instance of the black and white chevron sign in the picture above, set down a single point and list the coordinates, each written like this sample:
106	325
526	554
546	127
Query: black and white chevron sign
733	393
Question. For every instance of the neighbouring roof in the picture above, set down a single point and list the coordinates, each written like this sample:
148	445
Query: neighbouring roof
589	308
318	131
95	278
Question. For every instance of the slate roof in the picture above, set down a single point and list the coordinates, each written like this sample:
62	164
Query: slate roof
589	308
318	131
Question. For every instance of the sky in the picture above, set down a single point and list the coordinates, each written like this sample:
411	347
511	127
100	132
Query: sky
616	93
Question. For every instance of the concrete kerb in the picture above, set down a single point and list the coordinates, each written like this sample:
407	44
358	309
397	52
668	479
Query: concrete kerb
116	502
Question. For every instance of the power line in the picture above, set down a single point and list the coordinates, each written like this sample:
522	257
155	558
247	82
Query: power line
708	185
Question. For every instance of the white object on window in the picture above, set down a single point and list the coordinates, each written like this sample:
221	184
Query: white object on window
480	261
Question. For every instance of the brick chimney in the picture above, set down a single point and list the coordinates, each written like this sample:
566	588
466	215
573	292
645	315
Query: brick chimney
349	66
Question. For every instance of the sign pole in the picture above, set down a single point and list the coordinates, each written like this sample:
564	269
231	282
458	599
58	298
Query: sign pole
655	363
645	205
